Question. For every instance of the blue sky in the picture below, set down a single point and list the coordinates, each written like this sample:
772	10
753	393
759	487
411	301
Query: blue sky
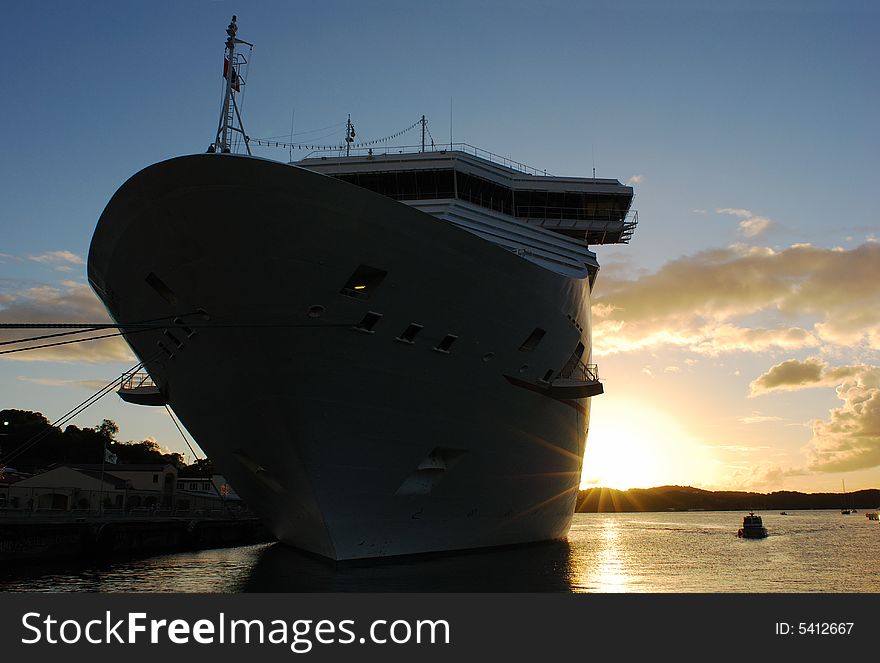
764	109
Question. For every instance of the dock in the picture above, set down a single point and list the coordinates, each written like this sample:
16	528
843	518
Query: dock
49	538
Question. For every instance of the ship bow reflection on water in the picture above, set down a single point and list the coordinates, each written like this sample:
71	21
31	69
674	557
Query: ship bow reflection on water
584	562
540	567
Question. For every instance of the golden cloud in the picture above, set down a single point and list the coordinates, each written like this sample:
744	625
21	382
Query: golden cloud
795	374
757	476
91	385
789	375
701	302
68	301
850	438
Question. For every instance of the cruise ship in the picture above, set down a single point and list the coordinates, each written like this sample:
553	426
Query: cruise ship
385	351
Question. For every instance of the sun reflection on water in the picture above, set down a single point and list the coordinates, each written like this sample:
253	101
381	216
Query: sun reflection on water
605	570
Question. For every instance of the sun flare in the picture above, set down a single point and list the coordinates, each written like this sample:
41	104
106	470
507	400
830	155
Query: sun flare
633	446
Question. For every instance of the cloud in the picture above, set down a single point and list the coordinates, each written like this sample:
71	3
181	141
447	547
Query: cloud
67	301
45	382
741	448
795	374
734	211
755	225
62	261
744	298
635	179
751	224
91	385
757	418
849	439
790	374
761	477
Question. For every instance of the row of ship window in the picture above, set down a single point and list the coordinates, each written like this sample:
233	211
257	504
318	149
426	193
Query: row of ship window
371	319
365	280
360	285
363	283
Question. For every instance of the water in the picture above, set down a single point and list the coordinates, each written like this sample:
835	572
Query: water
807	551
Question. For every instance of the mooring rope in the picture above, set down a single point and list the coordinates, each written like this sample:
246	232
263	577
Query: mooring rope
67	416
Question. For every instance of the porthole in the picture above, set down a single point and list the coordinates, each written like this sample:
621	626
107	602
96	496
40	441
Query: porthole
532	341
368	322
363	282
446	343
161	288
409	334
171	337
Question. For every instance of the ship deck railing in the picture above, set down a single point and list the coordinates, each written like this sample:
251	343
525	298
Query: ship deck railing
582	372
597	226
137	380
138	388
441	149
606	215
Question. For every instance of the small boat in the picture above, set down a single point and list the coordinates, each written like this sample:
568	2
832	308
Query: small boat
753	528
845	511
872	515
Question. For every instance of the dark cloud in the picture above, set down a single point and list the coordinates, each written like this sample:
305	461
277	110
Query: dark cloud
790	374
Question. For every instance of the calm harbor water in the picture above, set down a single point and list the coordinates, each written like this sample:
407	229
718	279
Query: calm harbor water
807	551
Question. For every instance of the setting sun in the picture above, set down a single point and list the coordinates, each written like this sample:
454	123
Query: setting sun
631	445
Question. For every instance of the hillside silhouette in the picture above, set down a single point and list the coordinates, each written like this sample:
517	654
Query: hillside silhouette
685	498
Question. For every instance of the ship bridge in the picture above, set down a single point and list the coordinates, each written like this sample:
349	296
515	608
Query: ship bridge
543	218
591	210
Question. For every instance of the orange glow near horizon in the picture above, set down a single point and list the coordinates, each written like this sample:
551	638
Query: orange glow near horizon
633	446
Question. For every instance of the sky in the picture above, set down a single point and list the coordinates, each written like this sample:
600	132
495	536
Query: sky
737	335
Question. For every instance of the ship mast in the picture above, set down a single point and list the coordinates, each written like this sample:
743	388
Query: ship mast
423	123
349	136
229	112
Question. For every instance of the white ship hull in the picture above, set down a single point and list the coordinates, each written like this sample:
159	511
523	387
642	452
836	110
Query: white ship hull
349	444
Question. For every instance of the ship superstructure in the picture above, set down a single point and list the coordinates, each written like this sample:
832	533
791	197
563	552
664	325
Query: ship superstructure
384	353
506	203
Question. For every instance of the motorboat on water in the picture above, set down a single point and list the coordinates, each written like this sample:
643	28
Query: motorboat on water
752	528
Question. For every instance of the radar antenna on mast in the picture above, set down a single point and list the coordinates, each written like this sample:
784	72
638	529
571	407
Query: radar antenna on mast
349	136
229	113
